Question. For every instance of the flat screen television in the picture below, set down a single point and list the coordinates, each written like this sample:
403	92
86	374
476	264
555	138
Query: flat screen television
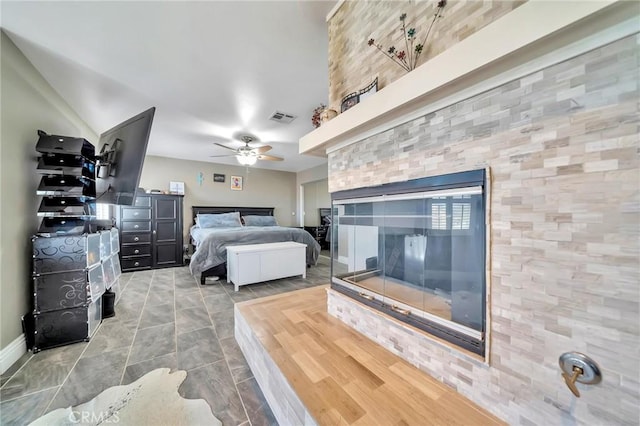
119	163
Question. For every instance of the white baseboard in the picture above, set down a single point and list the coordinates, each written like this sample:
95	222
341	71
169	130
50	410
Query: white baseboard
12	352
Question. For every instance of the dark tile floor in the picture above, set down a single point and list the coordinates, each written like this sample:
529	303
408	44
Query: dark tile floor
163	319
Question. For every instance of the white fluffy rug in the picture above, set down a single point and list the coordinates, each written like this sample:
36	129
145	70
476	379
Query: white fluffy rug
153	399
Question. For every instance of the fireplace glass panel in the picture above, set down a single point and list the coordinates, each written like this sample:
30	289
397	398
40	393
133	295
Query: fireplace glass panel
356	245
418	253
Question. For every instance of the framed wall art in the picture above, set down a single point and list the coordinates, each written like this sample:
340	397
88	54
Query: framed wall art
176	188
368	91
356	97
217	177
236	183
349	101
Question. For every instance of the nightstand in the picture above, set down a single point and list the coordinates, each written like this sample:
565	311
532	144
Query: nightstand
320	234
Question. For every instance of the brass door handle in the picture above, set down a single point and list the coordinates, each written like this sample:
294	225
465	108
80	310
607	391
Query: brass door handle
578	367
571	380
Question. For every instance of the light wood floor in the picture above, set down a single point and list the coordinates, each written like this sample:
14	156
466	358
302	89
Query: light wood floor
344	378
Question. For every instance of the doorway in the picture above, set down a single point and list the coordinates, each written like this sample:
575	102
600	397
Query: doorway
315	196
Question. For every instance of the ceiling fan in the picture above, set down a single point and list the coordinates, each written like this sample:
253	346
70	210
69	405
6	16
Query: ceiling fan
247	155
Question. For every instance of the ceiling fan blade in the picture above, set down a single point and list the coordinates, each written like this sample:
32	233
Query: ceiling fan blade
224	146
269	158
262	149
227	155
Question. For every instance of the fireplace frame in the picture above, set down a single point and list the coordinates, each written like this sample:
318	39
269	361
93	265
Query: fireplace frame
448	330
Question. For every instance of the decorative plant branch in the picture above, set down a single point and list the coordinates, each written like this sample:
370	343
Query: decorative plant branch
408	59
315	118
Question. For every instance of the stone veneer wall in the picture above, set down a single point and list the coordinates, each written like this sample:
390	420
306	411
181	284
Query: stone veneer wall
353	64
563	147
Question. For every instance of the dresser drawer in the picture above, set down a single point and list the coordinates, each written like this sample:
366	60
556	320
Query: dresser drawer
136	250
136	263
136	237
136	214
142	201
133	226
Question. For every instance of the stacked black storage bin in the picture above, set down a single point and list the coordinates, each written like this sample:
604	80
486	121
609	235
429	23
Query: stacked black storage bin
67	284
72	267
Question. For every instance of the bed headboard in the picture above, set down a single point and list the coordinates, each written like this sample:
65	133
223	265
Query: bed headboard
244	211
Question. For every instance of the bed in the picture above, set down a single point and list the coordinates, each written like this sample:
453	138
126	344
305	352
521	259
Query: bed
210	253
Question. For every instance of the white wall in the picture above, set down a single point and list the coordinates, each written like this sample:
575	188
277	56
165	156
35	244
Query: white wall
313	174
28	103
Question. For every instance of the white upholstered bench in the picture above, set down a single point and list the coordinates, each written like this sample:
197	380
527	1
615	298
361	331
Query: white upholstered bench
256	263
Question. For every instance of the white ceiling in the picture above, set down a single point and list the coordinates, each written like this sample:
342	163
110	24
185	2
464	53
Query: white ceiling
210	68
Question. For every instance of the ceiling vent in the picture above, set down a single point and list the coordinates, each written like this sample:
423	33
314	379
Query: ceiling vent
282	117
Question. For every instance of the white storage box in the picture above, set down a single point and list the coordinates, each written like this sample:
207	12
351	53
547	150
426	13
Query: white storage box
255	263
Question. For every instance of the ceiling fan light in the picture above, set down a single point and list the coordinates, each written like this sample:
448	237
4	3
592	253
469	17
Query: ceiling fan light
247	160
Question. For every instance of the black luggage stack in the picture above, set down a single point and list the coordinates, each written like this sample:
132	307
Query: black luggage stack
72	267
